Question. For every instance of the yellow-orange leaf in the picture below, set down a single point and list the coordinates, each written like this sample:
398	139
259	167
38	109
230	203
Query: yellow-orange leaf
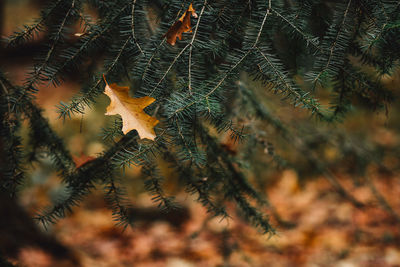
131	111
180	26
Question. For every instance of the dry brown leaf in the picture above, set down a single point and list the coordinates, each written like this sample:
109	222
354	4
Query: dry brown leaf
180	26
82	159
131	110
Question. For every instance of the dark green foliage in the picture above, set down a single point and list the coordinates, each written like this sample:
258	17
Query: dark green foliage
196	83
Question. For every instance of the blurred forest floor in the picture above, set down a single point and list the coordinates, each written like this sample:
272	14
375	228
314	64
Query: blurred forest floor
327	231
320	227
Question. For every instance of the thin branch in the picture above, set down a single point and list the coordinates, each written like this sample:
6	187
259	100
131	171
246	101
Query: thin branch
30	29
191	48
298	30
151	59
181	52
169	68
38	71
206	96
133	26
244	56
333	45
134	156
298	96
159	45
183	140
84	45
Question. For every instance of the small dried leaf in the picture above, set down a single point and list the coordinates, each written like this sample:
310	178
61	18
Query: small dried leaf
131	110
82	159
180	26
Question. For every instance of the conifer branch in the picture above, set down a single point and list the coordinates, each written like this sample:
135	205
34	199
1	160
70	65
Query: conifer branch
179	128
153	184
156	50
41	132
334	45
125	158
305	37
37	73
116	200
298	94
206	96
146	67
306	151
78	103
168	69
93	37
29	31
133	27
181	52
12	173
191	48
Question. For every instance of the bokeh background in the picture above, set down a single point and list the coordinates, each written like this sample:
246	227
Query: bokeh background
333	189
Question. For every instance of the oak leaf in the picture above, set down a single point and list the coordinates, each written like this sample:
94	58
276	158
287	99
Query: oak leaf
180	26
131	110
